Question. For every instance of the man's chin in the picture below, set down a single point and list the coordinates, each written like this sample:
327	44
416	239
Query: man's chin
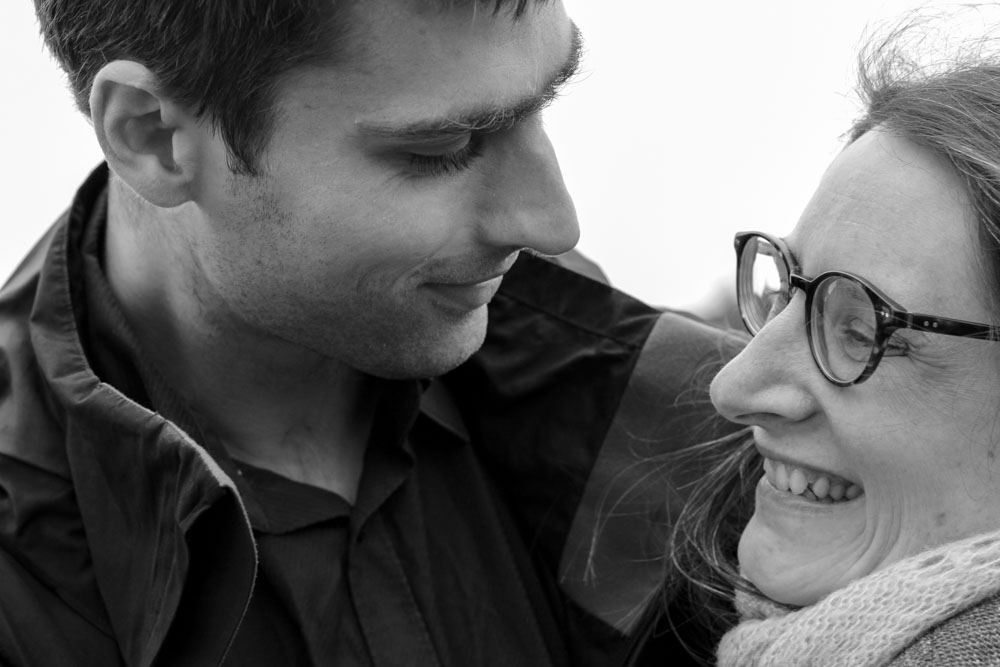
434	353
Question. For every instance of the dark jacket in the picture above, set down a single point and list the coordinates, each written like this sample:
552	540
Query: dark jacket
123	541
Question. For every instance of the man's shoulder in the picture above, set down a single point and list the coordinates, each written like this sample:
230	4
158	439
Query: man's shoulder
554	321
573	299
580	263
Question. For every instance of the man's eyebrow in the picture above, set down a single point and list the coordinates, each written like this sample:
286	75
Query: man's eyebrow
492	118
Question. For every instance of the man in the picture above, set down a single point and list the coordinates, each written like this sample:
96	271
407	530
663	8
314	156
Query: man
217	443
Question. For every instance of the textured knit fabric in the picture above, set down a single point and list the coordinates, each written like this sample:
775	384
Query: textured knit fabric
970	639
869	621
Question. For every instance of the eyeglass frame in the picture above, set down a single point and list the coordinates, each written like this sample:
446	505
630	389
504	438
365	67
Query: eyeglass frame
889	315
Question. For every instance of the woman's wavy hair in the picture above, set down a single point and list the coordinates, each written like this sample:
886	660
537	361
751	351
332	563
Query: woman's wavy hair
916	81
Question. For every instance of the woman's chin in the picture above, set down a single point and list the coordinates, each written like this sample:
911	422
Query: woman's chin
778	575
797	552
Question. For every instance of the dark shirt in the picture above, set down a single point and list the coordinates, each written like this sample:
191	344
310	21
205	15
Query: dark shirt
298	614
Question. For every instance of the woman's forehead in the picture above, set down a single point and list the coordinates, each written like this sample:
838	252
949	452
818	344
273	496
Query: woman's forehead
897	214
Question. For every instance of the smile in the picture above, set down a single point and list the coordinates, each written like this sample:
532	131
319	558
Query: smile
810	484
464	297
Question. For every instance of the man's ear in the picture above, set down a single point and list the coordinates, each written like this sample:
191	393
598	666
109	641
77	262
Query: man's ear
149	141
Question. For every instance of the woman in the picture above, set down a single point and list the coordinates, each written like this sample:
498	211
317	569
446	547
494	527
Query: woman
875	537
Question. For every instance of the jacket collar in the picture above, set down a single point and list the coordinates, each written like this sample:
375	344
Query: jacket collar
144	487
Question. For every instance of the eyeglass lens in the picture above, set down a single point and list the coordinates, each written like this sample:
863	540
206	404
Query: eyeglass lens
843	327
842	321
763	284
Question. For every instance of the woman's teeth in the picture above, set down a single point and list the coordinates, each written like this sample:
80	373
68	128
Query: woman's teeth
810	484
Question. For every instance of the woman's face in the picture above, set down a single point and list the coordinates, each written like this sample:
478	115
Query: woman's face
910	453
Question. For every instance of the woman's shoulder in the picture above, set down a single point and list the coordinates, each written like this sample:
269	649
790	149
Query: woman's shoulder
970	638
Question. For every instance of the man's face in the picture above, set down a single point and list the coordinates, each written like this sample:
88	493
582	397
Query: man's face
397	191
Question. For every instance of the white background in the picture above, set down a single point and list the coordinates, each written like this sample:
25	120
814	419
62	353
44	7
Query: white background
691	121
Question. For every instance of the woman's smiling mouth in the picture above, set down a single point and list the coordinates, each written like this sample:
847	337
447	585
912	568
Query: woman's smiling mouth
810	484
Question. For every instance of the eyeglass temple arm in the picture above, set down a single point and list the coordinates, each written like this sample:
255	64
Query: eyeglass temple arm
944	325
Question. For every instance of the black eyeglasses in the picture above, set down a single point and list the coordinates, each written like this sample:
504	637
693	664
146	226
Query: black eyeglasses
849	321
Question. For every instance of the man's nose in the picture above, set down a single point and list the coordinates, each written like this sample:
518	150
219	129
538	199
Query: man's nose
525	203
773	378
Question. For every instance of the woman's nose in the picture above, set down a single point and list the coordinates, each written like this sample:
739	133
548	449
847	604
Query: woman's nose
773	378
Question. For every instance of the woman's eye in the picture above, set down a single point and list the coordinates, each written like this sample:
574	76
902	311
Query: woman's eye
448	163
858	333
856	339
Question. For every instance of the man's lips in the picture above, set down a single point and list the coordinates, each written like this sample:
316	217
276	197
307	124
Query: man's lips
464	297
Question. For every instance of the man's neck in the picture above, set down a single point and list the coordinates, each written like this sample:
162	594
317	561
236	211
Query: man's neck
273	404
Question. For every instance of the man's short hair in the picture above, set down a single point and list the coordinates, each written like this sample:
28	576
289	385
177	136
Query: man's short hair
221	58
